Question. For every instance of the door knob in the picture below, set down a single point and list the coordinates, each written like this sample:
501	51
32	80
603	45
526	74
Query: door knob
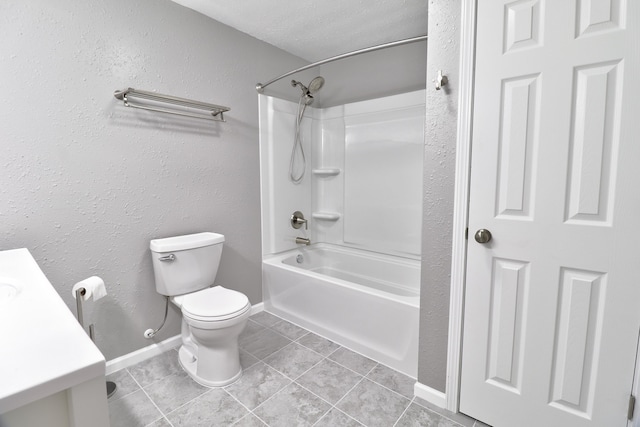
483	236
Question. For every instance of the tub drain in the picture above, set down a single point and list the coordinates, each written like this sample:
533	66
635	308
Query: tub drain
299	259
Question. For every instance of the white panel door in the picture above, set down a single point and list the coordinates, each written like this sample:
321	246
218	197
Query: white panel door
552	302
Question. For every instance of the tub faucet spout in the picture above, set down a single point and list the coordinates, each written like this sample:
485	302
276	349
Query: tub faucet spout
303	240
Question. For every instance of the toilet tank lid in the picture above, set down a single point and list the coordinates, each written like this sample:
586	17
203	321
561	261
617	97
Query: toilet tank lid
189	241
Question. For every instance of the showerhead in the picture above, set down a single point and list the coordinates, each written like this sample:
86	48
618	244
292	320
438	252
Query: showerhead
307	92
316	84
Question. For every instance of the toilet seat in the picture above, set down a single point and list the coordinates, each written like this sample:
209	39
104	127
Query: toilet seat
214	304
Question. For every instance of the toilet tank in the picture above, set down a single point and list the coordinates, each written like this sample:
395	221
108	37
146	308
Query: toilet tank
184	264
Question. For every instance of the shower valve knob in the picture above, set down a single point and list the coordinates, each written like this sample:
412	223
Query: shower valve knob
297	219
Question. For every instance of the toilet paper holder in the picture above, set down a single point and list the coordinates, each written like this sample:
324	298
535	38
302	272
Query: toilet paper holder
81	292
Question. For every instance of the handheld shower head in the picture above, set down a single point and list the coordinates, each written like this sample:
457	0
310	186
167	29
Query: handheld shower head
316	84
306	99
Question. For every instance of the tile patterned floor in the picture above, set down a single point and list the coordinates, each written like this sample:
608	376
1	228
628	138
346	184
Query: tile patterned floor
291	377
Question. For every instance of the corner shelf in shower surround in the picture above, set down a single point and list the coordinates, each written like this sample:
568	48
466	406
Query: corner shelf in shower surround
326	171
326	216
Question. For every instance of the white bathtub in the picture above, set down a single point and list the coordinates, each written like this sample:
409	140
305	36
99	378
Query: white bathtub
364	301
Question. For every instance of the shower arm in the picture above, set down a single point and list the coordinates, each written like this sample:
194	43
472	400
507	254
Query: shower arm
260	86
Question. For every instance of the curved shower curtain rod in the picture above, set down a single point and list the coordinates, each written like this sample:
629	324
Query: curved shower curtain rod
260	86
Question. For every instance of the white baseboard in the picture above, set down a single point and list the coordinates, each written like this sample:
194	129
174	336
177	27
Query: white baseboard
155	349
144	353
257	308
431	395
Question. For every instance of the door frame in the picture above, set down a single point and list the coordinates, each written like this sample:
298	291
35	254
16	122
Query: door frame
461	202
461	216
635	390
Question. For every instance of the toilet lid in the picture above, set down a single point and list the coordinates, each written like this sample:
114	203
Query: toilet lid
214	304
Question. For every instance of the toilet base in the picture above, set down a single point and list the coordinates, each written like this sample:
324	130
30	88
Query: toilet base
190	364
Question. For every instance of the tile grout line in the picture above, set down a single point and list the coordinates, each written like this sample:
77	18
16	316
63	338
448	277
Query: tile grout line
190	401
270	397
438	413
332	406
384	386
403	412
250	412
363	377
278	332
323	357
309	332
150	399
134	380
293	380
309	348
327	357
390	389
252	355
370	370
342	412
345	395
207	390
299	338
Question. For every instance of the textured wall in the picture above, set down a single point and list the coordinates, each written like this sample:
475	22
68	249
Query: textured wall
85	183
439	166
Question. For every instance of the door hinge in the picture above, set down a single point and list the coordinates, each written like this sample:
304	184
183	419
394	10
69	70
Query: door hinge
466	233
632	406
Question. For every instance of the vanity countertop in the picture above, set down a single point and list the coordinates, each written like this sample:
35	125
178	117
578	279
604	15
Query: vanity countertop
43	349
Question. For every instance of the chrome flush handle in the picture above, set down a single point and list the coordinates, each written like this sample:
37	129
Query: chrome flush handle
170	257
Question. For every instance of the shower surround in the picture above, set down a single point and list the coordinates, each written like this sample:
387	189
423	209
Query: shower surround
358	283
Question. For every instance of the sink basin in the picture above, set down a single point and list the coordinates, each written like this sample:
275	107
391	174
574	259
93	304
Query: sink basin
9	289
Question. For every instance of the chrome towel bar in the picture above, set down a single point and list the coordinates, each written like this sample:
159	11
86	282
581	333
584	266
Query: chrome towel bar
185	107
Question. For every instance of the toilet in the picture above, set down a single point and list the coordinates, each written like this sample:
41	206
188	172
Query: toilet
213	317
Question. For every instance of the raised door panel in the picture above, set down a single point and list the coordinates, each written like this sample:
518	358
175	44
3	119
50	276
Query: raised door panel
594	141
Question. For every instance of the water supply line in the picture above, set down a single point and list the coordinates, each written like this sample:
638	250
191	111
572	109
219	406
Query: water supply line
150	333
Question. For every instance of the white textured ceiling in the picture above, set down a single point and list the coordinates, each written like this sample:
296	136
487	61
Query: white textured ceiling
318	29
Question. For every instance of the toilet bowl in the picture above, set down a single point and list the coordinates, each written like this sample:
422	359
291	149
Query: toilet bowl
211	333
212	316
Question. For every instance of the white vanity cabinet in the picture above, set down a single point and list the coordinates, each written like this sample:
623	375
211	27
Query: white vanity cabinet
51	373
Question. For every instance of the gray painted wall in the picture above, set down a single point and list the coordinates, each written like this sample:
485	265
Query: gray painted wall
85	183
438	186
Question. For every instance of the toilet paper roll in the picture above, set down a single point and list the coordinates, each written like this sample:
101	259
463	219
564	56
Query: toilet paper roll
94	287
